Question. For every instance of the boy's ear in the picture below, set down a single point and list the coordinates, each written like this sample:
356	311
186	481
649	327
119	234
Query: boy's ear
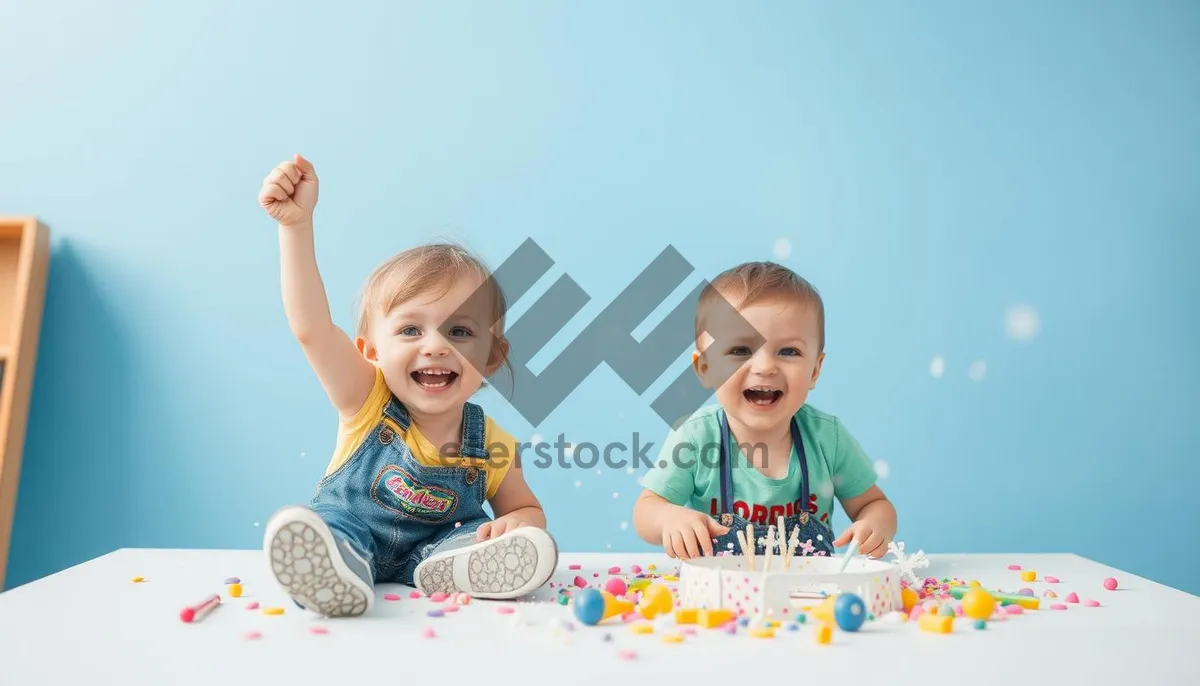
816	371
700	367
366	349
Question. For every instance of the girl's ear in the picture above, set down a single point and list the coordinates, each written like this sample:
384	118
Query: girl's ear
366	349
498	354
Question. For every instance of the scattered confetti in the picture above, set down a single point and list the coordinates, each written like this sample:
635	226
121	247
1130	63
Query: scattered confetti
977	370
1021	323
937	367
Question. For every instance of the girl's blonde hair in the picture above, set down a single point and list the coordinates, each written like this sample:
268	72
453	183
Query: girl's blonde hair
428	268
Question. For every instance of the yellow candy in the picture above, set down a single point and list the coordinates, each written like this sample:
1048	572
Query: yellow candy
1028	575
235	590
652	567
686	616
670	577
642	628
937	624
978	604
673	638
824	633
710	619
137	579
910	599
272	610
762	632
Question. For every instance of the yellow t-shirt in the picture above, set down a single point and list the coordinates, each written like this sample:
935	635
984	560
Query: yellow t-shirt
351	433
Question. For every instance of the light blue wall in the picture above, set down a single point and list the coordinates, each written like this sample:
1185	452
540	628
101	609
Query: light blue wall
931	164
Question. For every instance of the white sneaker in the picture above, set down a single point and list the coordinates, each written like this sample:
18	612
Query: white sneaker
512	565
320	571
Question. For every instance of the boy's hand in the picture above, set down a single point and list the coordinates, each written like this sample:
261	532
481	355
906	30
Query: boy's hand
289	193
687	533
870	542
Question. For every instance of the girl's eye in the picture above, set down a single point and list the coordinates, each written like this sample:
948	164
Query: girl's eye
409	331
740	350
460	332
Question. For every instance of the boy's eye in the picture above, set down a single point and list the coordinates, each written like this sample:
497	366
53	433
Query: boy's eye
409	331
739	350
460	332
789	351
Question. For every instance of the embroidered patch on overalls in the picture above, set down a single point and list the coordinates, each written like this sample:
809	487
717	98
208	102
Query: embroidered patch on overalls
402	493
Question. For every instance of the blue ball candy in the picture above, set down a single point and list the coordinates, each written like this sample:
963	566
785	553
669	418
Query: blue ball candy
588	605
849	612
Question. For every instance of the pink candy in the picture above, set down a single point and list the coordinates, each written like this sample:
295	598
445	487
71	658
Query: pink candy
390	596
614	570
1058	606
414	595
615	586
1052	580
253	635
574	567
1110	583
438	597
1014	567
428	632
1072	598
627	655
504	610
1092	603
635	569
580	582
1013	609
251	606
317	630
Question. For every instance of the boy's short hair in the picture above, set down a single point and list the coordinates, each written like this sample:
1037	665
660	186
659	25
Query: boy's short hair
751	282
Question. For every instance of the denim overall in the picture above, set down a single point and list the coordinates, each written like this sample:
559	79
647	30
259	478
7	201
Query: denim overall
395	511
813	532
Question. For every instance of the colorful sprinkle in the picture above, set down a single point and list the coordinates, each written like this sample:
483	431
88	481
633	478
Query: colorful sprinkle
574	567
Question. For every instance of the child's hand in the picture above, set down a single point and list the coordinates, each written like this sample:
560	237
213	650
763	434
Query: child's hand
289	193
871	543
496	527
687	533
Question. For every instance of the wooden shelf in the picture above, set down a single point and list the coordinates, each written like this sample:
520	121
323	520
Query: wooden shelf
24	263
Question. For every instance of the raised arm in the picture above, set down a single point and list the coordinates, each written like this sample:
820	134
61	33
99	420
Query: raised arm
289	195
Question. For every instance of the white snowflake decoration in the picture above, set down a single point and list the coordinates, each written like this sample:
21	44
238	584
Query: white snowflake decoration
907	564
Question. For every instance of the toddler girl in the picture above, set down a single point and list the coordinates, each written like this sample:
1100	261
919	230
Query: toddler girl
402	498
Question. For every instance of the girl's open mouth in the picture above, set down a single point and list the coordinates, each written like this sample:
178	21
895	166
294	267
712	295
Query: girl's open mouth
434	379
762	397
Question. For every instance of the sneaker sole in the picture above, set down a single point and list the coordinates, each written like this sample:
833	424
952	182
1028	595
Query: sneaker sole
511	566
299	545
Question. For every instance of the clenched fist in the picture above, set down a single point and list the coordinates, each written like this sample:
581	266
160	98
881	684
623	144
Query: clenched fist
289	193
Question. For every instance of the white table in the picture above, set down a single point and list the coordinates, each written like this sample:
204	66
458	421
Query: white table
91	625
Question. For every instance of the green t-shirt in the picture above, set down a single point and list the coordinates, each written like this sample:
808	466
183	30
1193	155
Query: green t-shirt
688	471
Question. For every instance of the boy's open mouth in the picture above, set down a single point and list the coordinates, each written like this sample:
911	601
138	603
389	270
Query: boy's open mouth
762	396
434	379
